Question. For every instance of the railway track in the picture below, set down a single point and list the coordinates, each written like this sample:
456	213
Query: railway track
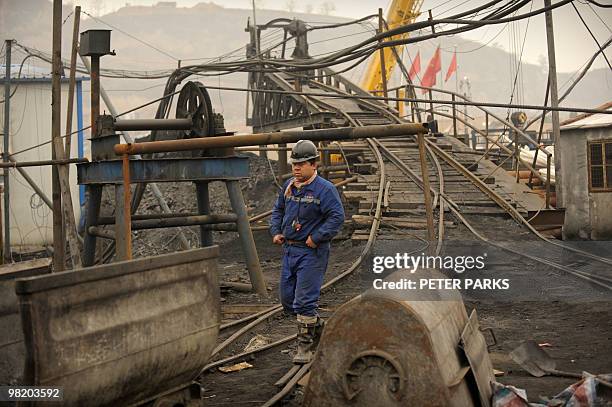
391	195
390	206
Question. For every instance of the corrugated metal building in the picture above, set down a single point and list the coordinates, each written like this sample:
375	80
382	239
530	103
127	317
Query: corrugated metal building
30	125
586	165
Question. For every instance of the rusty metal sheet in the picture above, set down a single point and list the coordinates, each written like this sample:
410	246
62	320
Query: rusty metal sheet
475	347
12	348
119	333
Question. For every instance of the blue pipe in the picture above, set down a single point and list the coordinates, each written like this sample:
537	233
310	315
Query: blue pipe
81	148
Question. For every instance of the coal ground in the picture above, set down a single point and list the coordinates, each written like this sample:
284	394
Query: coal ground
575	325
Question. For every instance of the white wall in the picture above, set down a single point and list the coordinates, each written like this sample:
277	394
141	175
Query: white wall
30	124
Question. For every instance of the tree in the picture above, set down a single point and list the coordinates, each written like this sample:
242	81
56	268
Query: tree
327	8
290	6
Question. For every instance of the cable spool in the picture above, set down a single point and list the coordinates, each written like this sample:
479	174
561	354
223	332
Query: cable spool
194	103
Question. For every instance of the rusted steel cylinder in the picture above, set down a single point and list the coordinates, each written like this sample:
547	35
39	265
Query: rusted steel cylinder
341	133
153	124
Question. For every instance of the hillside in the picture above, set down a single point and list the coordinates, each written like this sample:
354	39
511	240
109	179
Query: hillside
208	30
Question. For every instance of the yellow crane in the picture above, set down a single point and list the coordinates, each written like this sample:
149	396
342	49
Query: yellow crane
400	12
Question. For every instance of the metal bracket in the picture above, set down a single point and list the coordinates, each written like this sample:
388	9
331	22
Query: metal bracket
396	377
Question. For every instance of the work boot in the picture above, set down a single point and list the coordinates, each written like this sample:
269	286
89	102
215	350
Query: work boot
309	333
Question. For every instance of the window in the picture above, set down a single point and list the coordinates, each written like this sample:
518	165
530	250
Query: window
600	165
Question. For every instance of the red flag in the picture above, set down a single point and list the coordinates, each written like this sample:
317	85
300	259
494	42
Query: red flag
416	66
452	68
434	66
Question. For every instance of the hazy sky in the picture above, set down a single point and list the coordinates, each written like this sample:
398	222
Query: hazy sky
573	43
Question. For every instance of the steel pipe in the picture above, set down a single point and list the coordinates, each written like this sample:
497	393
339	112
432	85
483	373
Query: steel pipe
184	221
341	133
15	164
153	124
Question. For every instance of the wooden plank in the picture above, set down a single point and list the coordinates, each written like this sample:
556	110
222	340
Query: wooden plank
43	263
243	308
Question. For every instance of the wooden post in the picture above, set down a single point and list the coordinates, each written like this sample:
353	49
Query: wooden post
56	100
548	160
5	156
283	168
554	102
1	242
486	134
71	86
454	117
517	154
63	213
426	191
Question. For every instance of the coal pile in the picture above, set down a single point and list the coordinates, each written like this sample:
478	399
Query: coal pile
259	192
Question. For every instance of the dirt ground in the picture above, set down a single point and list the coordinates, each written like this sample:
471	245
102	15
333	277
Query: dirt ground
579	332
571	316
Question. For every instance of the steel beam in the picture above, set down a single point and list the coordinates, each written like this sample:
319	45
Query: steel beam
246	237
165	170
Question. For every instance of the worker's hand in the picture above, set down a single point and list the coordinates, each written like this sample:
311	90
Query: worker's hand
278	239
310	243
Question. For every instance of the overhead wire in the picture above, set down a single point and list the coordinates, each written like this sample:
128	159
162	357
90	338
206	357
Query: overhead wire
599	17
592	35
161	51
598	4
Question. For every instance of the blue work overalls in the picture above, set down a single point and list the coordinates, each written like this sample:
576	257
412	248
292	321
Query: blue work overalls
315	210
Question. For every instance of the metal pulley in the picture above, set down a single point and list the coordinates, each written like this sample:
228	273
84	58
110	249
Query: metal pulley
194	103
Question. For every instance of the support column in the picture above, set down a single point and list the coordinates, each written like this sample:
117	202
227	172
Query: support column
59	231
431	234
206	235
554	103
246	237
5	158
94	198
283	168
123	251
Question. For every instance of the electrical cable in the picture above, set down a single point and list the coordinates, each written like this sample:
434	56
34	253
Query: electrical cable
592	35
600	4
132	36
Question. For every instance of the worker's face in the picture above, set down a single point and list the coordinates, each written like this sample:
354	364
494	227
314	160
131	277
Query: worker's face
303	171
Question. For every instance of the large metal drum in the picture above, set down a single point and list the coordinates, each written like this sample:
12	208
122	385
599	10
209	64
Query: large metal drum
383	350
120	333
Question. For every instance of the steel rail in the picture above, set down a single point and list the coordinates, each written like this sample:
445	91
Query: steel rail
432	149
265	314
505	205
371	239
375	147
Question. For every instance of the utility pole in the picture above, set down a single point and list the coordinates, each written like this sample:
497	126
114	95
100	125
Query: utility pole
56	100
60	151
554	101
73	57
5	158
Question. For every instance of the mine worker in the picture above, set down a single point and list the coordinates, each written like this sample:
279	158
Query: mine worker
307	215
